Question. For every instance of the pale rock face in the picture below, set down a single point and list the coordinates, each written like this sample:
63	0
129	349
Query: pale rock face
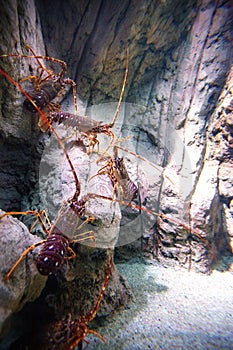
177	114
25	284
178	62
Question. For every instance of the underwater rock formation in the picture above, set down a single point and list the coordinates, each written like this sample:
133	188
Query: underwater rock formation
175	111
72	289
27	284
179	58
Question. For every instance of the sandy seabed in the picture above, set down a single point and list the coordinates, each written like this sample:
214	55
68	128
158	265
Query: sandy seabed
173	309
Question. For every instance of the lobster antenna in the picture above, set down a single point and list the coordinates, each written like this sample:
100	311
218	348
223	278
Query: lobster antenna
8	77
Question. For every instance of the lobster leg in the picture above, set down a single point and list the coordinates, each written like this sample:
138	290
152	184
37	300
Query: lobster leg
39	219
25	253
38	215
79	342
73	254
91	236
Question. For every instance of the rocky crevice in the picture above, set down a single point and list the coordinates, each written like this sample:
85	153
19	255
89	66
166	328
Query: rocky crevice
177	110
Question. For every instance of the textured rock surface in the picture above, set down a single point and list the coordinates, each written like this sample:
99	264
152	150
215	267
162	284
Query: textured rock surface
57	184
73	289
180	55
179	58
25	284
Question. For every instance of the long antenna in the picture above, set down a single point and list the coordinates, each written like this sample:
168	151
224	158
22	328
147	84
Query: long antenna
8	77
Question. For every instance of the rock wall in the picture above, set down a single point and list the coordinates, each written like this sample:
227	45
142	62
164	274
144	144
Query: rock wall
177	111
180	54
178	63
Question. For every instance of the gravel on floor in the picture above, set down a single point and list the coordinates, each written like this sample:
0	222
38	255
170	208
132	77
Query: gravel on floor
173	309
